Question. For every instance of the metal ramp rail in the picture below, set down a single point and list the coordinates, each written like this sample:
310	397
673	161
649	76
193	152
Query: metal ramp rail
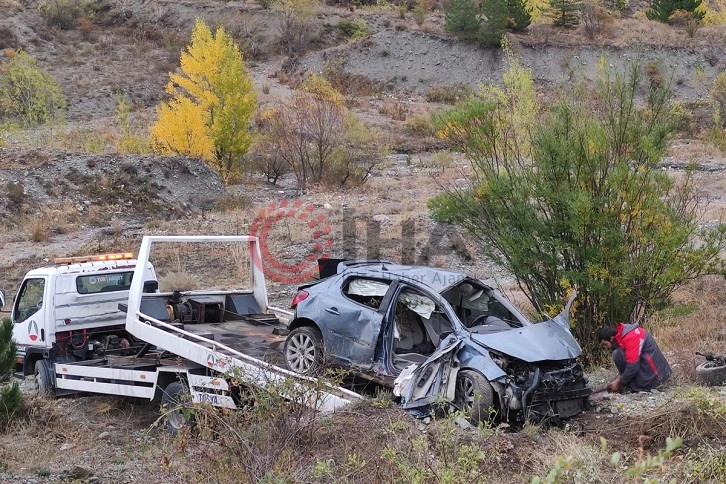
309	391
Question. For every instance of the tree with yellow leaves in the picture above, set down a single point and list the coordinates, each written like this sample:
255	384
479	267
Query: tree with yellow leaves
212	103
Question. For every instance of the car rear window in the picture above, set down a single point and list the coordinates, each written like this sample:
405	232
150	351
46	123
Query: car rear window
91	284
368	292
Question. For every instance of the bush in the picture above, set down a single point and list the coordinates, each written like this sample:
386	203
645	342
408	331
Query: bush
28	93
318	138
595	20
420	125
718	93
463	18
569	196
61	14
10	397
448	94
353	29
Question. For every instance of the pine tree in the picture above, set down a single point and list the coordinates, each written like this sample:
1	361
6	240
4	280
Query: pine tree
497	21
518	15
10	397
462	19
565	13
661	10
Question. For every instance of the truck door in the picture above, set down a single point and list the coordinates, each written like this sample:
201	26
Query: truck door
29	313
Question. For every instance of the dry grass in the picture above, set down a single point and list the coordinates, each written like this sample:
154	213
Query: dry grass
624	33
178	281
692	324
33	441
394	109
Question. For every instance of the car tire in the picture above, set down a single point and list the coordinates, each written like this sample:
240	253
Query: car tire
43	385
711	373
304	350
474	395
175	406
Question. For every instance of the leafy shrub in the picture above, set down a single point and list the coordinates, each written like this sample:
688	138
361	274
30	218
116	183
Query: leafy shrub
61	14
515	147
464	18
419	125
132	141
354	29
29	93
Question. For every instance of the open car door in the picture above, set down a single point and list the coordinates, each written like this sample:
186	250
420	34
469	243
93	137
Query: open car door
433	380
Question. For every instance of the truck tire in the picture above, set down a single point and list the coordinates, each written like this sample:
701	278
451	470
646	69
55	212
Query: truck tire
43	385
475	395
711	373
304	350
175	403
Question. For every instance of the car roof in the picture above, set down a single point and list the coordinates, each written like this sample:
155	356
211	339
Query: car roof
436	279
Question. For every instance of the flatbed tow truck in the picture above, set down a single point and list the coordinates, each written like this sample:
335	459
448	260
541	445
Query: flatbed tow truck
101	325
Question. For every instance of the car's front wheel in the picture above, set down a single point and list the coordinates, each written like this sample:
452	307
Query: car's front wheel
304	350
475	395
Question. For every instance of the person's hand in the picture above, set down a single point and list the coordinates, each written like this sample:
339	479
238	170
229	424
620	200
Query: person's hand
615	386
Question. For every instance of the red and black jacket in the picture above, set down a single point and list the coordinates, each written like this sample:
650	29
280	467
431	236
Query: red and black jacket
645	365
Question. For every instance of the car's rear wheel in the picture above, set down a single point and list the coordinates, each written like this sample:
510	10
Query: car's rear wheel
475	395
304	350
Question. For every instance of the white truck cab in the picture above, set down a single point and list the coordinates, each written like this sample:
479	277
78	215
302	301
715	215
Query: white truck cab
69	311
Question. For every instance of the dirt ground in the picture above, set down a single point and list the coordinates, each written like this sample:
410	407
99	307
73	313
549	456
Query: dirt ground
73	202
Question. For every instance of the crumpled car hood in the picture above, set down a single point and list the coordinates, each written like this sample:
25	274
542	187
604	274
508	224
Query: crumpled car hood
548	340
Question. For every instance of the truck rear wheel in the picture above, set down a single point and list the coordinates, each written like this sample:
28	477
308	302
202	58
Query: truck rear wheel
175	405
43	386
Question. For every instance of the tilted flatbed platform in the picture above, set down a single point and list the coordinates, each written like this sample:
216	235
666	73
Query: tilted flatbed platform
207	338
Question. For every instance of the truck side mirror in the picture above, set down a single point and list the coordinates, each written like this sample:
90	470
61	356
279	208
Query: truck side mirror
2	299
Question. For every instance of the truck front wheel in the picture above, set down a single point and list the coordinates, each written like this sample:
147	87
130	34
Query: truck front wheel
42	379
175	405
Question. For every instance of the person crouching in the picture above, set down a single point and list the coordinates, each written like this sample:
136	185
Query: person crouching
640	363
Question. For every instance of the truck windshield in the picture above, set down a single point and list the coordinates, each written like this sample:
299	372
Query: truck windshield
91	284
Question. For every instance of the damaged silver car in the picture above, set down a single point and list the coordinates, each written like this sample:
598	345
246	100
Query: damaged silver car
437	336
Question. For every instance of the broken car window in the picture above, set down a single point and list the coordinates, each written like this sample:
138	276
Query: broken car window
366	291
